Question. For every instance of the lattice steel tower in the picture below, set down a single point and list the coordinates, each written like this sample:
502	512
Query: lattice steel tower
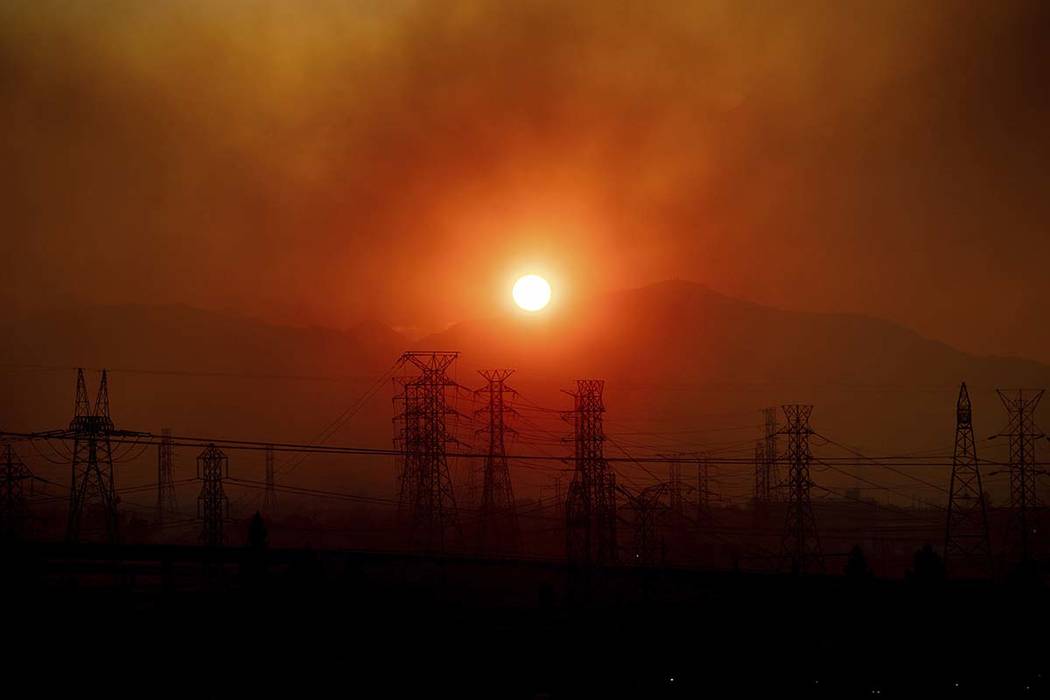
762	490
801	542
269	503
426	504
92	467
590	507
966	545
14	475
647	508
167	505
1024	499
213	507
498	518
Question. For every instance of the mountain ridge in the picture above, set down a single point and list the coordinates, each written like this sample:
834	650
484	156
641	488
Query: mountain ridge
390	336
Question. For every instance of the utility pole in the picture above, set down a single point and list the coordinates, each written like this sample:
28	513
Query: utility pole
499	521
269	503
801	543
966	543
426	503
1024	473
590	507
92	466
213	507
13	475
167	505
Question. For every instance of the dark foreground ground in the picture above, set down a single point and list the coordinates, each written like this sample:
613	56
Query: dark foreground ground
97	621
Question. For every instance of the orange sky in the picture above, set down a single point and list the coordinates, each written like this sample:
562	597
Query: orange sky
404	161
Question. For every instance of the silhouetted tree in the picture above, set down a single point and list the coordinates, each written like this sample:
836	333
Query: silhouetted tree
857	568
927	567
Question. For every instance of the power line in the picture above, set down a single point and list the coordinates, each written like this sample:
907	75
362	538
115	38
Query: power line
147	439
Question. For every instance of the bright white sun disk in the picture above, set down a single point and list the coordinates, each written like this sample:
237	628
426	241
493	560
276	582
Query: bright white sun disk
531	292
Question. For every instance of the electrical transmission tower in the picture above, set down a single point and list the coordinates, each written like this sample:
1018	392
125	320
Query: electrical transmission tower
167	505
213	508
590	506
426	502
966	543
269	503
1024	473
13	475
499	520
764	488
92	466
801	543
647	510
761	494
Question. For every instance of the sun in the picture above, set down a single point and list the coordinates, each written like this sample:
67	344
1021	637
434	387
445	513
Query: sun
531	292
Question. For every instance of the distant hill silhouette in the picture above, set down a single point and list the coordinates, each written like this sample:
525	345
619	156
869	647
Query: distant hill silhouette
685	332
686	367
